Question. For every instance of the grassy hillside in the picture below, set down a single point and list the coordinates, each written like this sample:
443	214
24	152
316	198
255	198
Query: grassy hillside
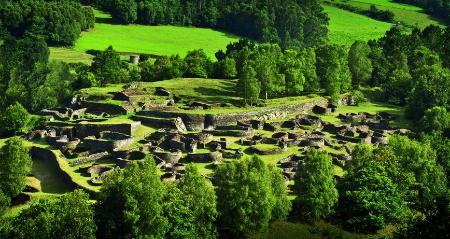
346	27
405	14
158	40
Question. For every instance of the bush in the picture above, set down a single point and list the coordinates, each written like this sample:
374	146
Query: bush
14	119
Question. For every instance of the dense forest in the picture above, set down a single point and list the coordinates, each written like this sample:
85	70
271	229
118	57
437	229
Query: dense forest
292	23
437	8
59	22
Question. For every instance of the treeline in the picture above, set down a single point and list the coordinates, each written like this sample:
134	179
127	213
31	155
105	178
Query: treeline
403	184
412	69
291	23
373	12
59	22
437	8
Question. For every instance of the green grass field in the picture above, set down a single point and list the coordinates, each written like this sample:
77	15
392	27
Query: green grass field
346	27
405	14
157	40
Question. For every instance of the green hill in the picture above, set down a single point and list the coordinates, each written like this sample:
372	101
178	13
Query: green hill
157	40
346	27
405	14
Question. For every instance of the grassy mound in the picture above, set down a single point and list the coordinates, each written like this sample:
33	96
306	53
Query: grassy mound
346	27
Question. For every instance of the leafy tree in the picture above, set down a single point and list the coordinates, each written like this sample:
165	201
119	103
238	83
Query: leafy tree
15	165
200	198
5	201
423	56
108	68
431	87
248	85
312	83
164	68
226	69
332	69
180	217
130	204
369	200
435	119
412	166
124	11
359	63
291	66
70	216
198	64
14	119
398	87
247	197
315	186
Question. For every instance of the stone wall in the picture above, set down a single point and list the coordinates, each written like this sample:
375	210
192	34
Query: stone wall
98	108
85	130
207	121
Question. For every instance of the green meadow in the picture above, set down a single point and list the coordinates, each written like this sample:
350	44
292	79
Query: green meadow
156	40
404	14
346	27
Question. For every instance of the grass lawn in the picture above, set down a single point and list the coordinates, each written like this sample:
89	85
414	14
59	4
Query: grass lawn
346	27
156	40
406	14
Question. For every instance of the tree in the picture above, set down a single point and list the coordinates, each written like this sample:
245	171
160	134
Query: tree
332	69
178	214
412	166
15	165
198	64
164	68
226	69
315	186
108	68
5	201
124	11
248	86
369	200
14	119
435	119
291	66
431	88
359	63
70	216
398	87
130	204
246	197
200	198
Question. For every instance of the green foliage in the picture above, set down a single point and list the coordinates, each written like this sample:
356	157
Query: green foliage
124	11
369	200
225	69
69	216
130	204
288	22
180	217
248	194
5	201
58	22
164	68
15	165
359	63
398	87
248	86
200	199
108	68
315	186
14	119
431	87
435	119
332	69
412	166
198	64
